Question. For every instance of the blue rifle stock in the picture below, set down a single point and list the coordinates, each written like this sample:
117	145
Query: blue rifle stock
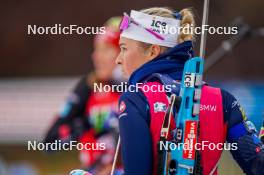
184	159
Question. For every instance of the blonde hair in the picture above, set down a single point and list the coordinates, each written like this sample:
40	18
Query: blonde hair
187	20
113	23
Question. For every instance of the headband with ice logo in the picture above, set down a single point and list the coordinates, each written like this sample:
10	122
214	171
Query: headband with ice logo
149	29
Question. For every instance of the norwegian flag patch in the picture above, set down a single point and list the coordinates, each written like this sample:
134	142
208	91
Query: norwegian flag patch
122	107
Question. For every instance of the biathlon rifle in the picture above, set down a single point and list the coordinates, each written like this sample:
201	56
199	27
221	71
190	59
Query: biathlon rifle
182	161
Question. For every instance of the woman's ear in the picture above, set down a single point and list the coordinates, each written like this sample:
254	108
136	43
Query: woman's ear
153	51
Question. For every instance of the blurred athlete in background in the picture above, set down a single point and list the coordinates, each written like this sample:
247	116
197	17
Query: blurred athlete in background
89	116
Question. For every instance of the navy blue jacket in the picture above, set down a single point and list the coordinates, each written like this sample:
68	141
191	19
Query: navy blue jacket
134	120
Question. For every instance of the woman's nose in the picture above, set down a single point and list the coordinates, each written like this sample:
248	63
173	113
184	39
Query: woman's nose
94	55
118	60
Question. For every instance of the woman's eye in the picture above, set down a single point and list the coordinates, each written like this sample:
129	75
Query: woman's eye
123	49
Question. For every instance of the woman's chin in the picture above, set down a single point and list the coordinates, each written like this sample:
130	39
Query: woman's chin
125	74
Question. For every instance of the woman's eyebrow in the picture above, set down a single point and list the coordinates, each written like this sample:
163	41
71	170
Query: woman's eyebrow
121	44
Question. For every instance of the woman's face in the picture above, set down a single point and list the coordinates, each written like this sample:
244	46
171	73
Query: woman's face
132	55
104	56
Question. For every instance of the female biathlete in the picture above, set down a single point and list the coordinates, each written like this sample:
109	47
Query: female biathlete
90	116
148	51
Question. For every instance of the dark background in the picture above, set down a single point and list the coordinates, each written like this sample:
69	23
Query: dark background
24	55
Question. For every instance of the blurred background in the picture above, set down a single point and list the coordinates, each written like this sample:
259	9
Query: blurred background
37	72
